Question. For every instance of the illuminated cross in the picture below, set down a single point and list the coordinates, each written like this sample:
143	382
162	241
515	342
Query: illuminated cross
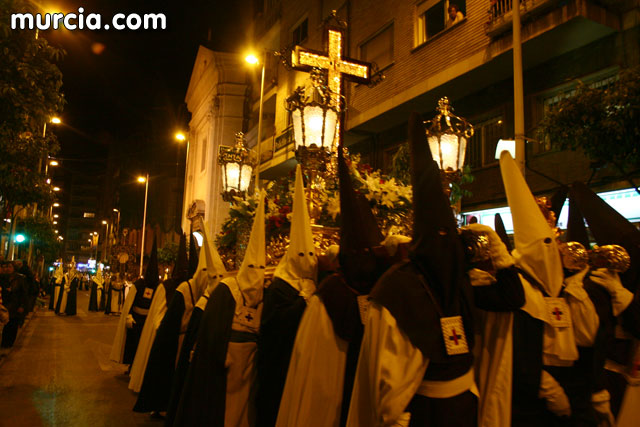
454	337
557	313
336	65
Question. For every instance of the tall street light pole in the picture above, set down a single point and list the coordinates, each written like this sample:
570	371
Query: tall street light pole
144	179
252	59
518	96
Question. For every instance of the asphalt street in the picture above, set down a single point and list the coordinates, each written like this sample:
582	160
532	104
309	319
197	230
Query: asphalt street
59	374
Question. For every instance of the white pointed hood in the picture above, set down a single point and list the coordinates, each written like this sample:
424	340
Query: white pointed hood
98	277
210	266
59	273
299	265
536	250
251	273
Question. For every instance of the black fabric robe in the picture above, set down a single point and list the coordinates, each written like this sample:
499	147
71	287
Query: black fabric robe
158	376
281	313
52	294
184	361
93	297
204	394
60	294
71	307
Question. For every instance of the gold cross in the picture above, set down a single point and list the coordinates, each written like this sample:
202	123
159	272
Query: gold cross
333	62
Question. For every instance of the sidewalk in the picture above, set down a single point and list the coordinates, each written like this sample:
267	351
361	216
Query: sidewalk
58	373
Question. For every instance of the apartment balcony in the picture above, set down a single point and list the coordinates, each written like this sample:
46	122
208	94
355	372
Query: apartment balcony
542	14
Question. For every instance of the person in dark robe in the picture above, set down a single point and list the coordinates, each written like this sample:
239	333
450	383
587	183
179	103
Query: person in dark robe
56	285
31	283
619	302
102	300
294	282
97	290
404	375
158	377
15	298
322	368
72	296
219	389
144	288
188	343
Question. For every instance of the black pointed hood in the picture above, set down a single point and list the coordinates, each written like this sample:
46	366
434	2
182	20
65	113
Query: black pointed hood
436	244
181	268
557	201
576	230
151	279
608	227
193	257
502	232
362	258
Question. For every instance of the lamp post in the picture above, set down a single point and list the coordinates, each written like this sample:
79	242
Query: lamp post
237	164
447	135
106	239
145	180
117	223
253	60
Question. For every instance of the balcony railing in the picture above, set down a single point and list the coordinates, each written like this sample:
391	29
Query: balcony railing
501	13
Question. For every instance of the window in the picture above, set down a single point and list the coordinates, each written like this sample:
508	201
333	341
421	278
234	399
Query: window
481	147
379	48
433	17
301	32
203	155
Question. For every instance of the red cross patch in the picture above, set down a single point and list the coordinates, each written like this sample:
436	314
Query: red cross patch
455	340
558	312
148	293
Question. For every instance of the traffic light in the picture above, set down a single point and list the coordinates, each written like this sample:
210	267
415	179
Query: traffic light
20	238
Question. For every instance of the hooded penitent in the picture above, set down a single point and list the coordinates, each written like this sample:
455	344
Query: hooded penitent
435	245
361	255
299	265
146	286
502	232
193	257
536	250
59	274
180	270
557	201
610	228
251	273
210	266
576	231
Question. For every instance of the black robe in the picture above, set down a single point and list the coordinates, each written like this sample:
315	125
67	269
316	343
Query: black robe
60	294
403	293
158	376
204	393
139	311
103	297
184	361
93	297
281	313
71	308
52	294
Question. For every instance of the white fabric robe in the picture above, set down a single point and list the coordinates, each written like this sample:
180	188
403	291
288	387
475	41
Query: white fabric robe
156	313
390	370
117	349
312	393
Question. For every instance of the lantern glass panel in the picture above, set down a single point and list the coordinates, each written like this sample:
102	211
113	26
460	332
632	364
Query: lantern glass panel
330	128
448	146
245	177
313	125
232	172
462	150
296	116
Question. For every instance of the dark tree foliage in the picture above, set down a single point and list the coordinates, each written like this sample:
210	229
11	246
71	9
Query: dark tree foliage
30	94
602	122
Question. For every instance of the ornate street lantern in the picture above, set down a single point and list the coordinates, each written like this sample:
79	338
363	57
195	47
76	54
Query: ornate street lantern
237	163
315	118
447	135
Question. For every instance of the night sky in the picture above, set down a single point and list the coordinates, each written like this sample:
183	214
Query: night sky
125	90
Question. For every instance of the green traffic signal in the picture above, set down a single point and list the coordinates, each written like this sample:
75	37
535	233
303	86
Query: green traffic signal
20	238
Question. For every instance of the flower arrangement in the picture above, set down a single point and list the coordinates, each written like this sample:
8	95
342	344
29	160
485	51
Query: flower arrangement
390	201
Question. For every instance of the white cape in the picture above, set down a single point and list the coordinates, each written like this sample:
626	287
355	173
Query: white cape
156	313
117	349
313	390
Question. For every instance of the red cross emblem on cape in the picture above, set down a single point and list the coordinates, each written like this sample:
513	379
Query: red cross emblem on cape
455	340
148	293
558	312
